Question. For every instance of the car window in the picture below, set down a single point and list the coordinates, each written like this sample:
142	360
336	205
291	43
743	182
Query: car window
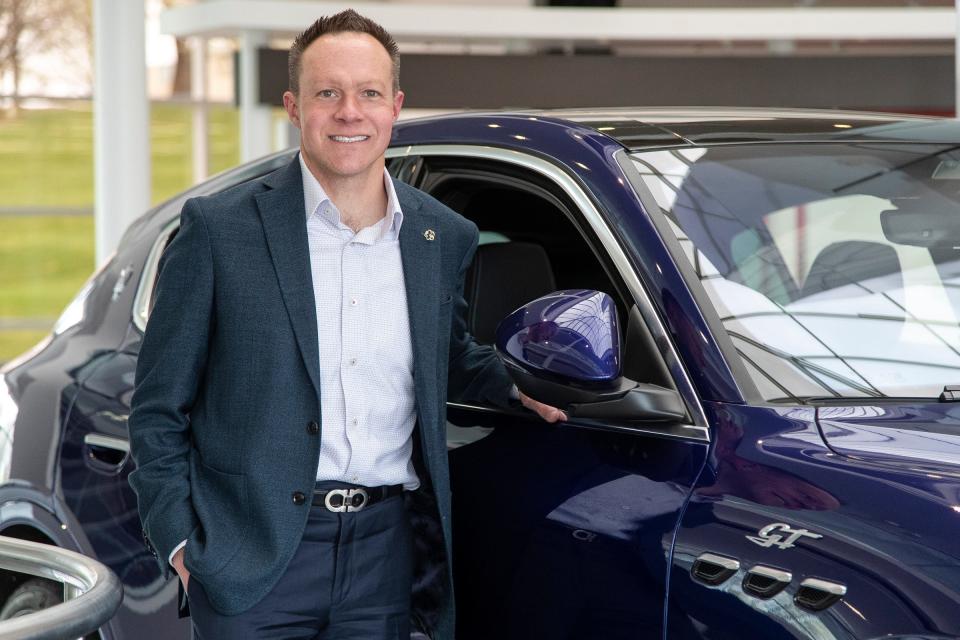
816	260
531	213
524	208
143	303
509	206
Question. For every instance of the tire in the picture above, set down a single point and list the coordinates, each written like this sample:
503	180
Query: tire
36	594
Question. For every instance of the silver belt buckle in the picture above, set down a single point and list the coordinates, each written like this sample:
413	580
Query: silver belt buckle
347	504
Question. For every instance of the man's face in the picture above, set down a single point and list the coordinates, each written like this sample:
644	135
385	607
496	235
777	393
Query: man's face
346	106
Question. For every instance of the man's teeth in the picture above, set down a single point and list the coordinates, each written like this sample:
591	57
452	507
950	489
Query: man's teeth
349	138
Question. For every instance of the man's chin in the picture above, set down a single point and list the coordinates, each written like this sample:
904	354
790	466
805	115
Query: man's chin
346	171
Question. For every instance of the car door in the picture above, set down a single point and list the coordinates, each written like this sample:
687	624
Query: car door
560	531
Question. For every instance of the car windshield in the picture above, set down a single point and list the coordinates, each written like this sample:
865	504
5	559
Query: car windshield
835	268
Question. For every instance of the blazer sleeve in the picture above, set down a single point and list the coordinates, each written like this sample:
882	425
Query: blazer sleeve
170	369
476	374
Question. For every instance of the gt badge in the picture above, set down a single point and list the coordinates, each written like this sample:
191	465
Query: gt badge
780	535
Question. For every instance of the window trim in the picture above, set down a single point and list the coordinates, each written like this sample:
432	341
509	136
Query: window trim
598	225
487	174
148	276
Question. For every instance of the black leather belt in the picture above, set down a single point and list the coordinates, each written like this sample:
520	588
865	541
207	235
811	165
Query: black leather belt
354	498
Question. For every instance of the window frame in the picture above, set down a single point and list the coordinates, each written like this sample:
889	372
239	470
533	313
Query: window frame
588	220
142	302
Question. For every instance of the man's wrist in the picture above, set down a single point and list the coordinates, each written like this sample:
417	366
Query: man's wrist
174	552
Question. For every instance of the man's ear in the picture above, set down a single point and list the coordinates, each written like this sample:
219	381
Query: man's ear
397	104
293	111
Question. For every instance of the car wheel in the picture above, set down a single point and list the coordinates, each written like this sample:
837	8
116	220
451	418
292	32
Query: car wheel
33	595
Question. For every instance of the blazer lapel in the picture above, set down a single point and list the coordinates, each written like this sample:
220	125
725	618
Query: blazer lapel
285	226
420	241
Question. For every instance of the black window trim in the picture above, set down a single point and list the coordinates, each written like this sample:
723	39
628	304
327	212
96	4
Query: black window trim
600	229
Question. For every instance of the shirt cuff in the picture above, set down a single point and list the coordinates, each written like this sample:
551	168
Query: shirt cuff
174	552
514	393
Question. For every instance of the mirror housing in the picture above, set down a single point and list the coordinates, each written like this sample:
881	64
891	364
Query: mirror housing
921	225
564	350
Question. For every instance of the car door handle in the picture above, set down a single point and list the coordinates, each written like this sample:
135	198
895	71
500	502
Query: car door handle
106	453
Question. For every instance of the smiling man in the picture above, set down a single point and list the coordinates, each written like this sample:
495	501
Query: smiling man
288	421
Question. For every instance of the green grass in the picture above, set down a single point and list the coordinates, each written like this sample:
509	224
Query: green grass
171	140
43	262
46	155
13	342
46	160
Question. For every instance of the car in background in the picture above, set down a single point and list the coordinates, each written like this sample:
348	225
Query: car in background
752	317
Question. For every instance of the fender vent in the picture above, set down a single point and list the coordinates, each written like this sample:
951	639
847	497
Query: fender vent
766	582
713	569
816	595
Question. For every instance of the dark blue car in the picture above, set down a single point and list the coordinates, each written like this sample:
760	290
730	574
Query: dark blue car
752	317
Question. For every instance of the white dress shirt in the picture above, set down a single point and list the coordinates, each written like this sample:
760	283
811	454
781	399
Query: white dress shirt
367	401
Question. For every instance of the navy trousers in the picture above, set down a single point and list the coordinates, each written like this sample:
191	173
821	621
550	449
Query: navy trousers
349	579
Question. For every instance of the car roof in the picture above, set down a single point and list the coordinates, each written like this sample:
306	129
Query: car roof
657	127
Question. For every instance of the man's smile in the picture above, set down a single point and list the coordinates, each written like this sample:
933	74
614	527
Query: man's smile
349	138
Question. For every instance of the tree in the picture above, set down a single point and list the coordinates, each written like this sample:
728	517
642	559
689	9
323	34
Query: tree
38	25
13	24
181	75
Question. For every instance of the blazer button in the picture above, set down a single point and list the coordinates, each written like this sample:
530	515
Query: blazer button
313	428
299	498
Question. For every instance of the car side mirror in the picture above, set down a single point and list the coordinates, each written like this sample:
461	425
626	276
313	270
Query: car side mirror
564	350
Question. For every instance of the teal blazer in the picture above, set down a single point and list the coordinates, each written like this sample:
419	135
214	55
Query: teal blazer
228	381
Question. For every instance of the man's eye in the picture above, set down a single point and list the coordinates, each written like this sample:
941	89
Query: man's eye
371	93
327	93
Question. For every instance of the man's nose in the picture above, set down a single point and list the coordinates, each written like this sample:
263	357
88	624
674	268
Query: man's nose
348	109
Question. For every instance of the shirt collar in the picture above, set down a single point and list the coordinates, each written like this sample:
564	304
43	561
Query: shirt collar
316	201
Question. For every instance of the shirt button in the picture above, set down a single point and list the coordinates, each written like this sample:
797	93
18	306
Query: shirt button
353	302
313	428
353	361
354	422
299	498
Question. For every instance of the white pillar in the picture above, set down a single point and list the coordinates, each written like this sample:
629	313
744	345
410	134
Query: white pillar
281	135
198	94
255	125
121	120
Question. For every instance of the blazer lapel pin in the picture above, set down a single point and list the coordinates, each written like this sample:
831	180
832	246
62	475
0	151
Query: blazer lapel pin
429	234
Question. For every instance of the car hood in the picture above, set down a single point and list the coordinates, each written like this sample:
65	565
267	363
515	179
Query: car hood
921	437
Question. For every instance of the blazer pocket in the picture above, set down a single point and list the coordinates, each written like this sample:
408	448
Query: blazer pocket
220	502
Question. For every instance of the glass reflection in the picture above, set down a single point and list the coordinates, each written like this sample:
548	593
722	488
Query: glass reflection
807	254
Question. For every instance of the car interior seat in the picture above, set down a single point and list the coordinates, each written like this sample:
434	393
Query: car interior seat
503	277
852	262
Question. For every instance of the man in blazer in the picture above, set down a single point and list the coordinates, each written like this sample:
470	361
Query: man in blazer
292	383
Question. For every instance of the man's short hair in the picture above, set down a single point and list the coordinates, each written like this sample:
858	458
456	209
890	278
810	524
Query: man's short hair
345	21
